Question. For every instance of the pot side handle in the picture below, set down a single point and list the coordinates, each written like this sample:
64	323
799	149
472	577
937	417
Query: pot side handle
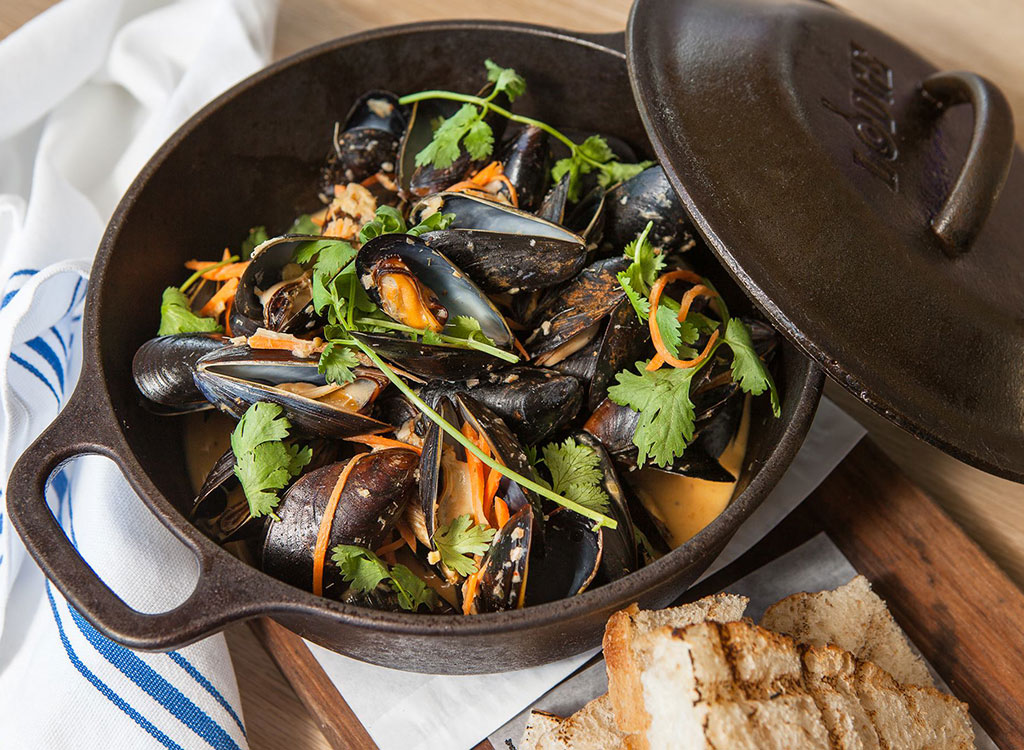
987	164
78	430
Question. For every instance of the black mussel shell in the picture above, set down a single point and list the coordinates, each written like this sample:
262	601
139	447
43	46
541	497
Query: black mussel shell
502	248
290	308
619	556
533	402
375	492
567	561
163	368
625	341
646	197
433	362
368	142
572	315
504	569
525	158
233	378
587	217
552	207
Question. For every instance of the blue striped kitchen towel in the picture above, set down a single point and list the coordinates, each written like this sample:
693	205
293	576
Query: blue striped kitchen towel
88	91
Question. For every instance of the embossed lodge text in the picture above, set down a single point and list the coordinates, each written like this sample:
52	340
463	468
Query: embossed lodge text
871	96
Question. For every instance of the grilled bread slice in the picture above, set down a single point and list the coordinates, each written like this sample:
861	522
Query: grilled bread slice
591	728
736	685
625	663
854	618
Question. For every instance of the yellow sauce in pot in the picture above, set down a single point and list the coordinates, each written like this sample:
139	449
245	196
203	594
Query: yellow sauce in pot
682	506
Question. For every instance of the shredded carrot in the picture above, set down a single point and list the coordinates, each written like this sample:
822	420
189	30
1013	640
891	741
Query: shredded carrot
479	180
476	477
663	355
520	348
469	592
379	441
407	534
223	273
264	339
501	514
323	534
227	316
391	547
320	217
219	301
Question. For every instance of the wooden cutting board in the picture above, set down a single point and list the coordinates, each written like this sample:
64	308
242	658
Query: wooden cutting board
960	610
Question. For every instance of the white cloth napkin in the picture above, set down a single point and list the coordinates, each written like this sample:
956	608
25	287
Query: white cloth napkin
88	90
406	711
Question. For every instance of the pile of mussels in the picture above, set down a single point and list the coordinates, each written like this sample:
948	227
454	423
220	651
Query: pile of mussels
530	266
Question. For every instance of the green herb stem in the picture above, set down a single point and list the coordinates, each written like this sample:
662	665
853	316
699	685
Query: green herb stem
489	105
461	343
433	416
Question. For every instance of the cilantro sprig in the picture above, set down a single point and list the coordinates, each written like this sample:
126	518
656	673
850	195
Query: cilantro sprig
264	462
662	397
575	471
460	539
364	571
468	129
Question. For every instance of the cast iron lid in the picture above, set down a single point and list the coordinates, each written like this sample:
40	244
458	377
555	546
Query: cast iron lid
829	170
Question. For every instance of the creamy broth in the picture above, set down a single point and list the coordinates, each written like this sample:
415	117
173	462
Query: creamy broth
684	505
207	436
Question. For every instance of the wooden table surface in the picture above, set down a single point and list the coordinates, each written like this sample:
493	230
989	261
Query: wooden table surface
986	36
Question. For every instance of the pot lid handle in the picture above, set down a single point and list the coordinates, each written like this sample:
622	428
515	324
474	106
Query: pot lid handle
987	164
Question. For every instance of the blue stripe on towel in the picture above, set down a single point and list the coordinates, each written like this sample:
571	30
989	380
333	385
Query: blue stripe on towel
101	686
199	677
60	340
45	351
156	686
36	372
24	272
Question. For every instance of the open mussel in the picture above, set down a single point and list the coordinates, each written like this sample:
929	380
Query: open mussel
366	146
444	472
500	247
647	197
368	492
420	288
274	292
163	370
233	378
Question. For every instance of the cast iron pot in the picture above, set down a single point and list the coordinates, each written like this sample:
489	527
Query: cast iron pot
252	156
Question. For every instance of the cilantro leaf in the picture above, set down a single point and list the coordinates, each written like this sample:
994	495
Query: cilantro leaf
466	327
505	81
364	571
432	223
263	471
303	225
386	220
647	263
671	335
595	147
444	149
615	172
576	473
639	301
747	368
459	539
257	236
336	363
360	567
662	398
331	255
412	591
176	315
479	140
264	464
575	166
